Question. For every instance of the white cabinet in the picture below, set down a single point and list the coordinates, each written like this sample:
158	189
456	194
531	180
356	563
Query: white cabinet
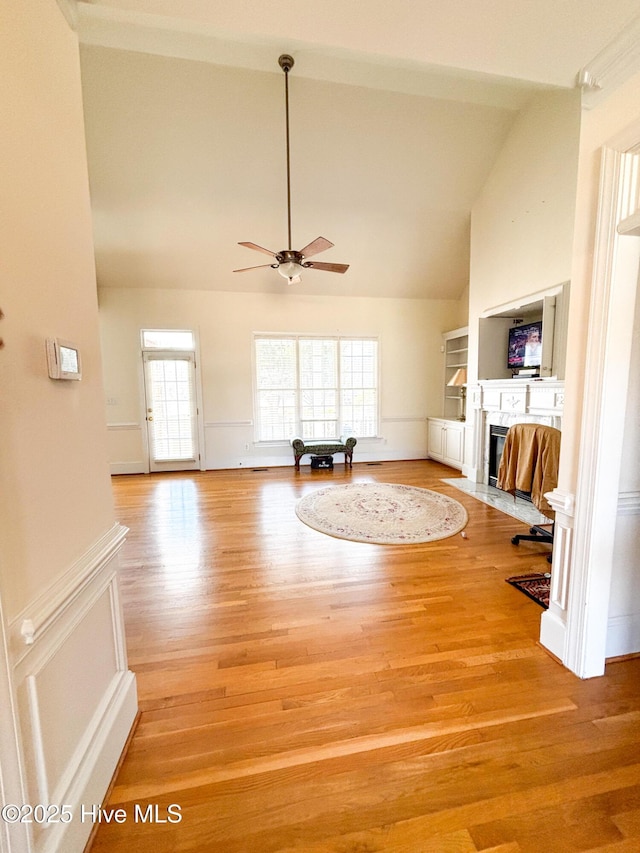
445	441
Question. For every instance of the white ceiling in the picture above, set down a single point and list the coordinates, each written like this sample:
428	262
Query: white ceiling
398	110
542	41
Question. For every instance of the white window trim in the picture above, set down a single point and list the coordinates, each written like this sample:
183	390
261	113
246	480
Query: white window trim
192	332
307	336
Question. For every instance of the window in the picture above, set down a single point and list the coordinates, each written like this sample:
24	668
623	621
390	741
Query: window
167	339
318	388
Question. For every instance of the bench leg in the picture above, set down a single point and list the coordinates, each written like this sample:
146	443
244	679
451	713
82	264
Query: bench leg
297	457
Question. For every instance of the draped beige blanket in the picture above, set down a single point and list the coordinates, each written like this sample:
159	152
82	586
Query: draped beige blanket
529	463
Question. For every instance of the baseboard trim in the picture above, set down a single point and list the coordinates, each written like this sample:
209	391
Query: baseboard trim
138	467
549	653
623	635
553	635
114	777
96	769
623	658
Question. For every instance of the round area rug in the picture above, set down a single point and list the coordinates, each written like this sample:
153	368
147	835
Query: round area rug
382	513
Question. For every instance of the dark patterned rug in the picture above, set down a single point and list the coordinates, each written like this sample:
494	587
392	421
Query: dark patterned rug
535	585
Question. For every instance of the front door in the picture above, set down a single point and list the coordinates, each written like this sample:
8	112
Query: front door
172	425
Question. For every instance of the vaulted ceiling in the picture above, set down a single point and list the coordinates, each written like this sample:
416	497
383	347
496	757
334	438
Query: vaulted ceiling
398	111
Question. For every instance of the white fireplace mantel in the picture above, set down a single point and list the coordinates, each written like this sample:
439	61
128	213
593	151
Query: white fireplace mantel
506	402
538	397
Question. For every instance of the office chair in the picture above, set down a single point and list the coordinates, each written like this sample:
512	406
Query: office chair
529	464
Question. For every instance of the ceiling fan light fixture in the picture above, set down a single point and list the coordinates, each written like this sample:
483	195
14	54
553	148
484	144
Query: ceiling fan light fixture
290	270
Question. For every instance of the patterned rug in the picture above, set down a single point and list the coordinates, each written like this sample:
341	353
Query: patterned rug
382	513
535	585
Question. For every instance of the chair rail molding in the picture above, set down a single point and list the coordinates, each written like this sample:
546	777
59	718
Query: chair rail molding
66	655
629	503
51	604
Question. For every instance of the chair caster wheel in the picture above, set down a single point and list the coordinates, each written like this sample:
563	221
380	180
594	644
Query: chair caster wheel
514	541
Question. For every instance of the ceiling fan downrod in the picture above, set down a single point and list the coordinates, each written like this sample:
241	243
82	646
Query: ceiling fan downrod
290	262
286	63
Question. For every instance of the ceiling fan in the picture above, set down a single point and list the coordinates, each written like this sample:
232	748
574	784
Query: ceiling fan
289	262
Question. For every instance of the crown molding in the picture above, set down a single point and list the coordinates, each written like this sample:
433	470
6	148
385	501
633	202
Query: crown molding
618	61
180	38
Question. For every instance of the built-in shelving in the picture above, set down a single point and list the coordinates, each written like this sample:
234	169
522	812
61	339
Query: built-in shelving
456	357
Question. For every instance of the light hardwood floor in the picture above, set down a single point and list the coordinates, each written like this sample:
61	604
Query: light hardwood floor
304	693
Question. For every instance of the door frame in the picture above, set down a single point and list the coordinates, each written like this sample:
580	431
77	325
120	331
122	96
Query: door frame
608	365
198	392
582	574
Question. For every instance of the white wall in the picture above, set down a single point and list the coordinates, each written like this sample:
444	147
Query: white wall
74	700
522	225
188	158
533	227
409	332
522	221
600	126
52	432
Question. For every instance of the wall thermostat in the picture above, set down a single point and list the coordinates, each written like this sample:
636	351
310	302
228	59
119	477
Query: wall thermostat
63	359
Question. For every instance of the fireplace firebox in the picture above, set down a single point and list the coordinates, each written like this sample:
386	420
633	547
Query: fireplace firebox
497	435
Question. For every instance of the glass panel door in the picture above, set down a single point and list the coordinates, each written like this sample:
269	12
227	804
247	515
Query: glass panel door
171	411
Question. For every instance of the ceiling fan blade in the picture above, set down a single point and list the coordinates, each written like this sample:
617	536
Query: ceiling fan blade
259	267
318	265
320	244
258	249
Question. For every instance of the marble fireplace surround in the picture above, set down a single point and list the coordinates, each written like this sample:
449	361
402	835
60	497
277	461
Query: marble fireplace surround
504	402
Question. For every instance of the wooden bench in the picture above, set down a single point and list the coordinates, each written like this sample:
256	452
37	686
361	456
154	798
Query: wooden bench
324	448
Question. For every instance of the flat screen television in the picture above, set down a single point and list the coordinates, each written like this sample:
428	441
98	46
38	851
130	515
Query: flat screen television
525	346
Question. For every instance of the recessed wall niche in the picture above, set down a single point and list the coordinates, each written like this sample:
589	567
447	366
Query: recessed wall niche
551	307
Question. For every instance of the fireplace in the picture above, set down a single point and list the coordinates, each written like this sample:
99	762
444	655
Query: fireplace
497	435
496	403
496	444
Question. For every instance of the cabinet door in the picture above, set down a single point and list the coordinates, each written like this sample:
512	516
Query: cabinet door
454	445
435	439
